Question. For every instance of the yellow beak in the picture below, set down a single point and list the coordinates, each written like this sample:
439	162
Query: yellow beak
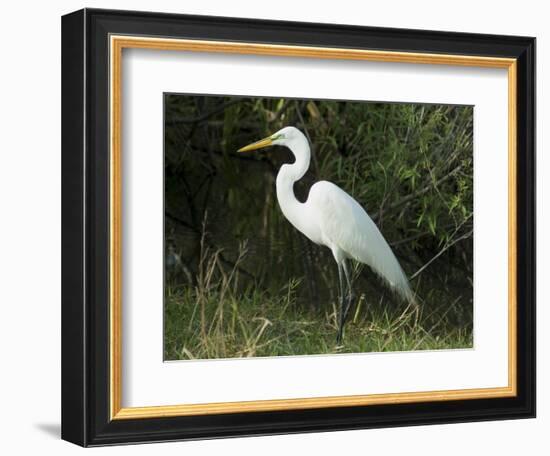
257	145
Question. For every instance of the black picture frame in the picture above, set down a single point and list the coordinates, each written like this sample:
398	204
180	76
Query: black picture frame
85	227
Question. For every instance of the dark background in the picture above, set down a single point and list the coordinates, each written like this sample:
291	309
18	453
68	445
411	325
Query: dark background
410	166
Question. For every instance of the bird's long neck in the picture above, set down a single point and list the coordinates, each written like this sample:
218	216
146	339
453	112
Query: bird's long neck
288	175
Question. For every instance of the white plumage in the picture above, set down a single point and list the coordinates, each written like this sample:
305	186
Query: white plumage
332	218
348	231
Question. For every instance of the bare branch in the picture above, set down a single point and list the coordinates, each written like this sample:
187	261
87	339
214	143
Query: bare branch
441	252
419	192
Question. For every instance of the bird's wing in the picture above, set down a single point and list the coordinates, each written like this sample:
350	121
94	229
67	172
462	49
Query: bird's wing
346	225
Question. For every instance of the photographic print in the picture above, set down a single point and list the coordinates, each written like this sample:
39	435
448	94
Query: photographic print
248	201
301	227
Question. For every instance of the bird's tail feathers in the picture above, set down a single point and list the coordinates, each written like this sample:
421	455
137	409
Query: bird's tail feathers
392	273
403	288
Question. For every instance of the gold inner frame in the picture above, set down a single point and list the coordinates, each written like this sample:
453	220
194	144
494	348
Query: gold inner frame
117	44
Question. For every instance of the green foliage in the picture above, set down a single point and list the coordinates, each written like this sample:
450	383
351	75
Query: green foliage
409	165
258	325
214	320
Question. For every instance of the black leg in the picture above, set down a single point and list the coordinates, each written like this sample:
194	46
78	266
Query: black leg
341	304
350	296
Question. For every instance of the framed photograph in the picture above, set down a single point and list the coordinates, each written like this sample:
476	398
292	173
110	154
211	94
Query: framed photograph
275	227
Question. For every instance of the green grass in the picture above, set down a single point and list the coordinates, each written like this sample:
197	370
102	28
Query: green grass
218	322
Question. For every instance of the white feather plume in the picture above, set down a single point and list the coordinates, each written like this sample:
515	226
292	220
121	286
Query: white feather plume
345	225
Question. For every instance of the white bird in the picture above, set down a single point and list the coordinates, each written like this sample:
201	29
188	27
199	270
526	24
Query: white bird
332	218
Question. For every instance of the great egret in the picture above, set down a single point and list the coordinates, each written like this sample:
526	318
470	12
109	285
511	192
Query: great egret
332	218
